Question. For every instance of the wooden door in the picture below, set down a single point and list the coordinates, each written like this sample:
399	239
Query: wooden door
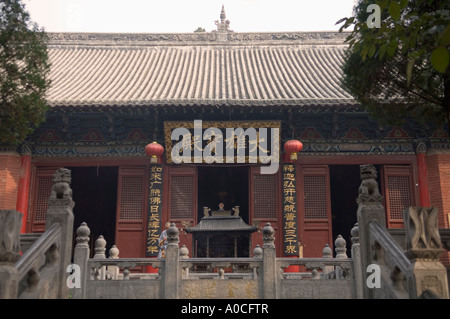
41	190
398	193
315	229
265	206
131	211
182	201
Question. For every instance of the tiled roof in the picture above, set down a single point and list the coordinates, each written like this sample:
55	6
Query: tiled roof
267	69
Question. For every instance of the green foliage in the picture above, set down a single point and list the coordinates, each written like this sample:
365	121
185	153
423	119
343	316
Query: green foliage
24	72
401	68
200	29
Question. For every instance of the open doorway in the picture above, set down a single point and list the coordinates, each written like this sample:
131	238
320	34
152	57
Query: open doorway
227	185
95	196
344	184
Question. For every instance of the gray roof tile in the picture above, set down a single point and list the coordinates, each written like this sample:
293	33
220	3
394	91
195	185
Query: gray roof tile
121	69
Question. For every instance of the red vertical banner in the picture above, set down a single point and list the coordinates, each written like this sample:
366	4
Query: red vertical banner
154	210
290	234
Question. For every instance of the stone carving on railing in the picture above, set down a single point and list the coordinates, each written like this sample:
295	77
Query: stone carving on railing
100	253
368	190
173	235
340	247
257	252
184	252
422	233
112	271
61	185
10	223
41	271
354	232
83	233
268	235
423	244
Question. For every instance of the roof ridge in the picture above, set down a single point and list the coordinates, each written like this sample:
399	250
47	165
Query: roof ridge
192	38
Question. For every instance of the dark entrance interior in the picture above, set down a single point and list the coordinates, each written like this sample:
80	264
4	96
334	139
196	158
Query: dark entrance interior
95	195
228	185
344	185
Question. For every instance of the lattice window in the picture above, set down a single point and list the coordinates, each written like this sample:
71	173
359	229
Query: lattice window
264	197
132	197
182	197
44	188
315	197
400	196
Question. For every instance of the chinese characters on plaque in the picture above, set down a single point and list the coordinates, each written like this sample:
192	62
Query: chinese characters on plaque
290	238
238	141
155	209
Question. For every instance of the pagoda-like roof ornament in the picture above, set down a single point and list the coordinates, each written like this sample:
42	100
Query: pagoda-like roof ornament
223	26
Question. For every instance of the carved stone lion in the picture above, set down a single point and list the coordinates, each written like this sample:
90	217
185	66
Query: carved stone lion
368	190
369	185
61	184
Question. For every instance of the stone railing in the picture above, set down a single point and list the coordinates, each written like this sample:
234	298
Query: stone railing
379	266
178	276
44	269
413	272
41	271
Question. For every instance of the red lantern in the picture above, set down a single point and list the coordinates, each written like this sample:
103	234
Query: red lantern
154	150
293	147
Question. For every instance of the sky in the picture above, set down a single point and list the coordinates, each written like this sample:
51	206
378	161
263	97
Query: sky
157	16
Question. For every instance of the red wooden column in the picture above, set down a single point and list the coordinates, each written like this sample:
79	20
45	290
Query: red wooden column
24	186
424	191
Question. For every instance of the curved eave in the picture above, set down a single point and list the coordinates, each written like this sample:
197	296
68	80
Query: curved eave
205	102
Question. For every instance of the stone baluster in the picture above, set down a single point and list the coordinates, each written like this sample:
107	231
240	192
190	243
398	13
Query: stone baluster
60	211
257	252
370	210
269	277
315	274
172	275
340	247
112	272
341	253
184	254
100	253
327	253
356	256
126	273
80	258
221	273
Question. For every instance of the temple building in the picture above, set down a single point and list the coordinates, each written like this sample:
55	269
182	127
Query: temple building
252	126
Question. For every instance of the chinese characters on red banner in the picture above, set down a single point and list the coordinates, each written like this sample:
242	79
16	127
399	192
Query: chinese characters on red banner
290	238
155	210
